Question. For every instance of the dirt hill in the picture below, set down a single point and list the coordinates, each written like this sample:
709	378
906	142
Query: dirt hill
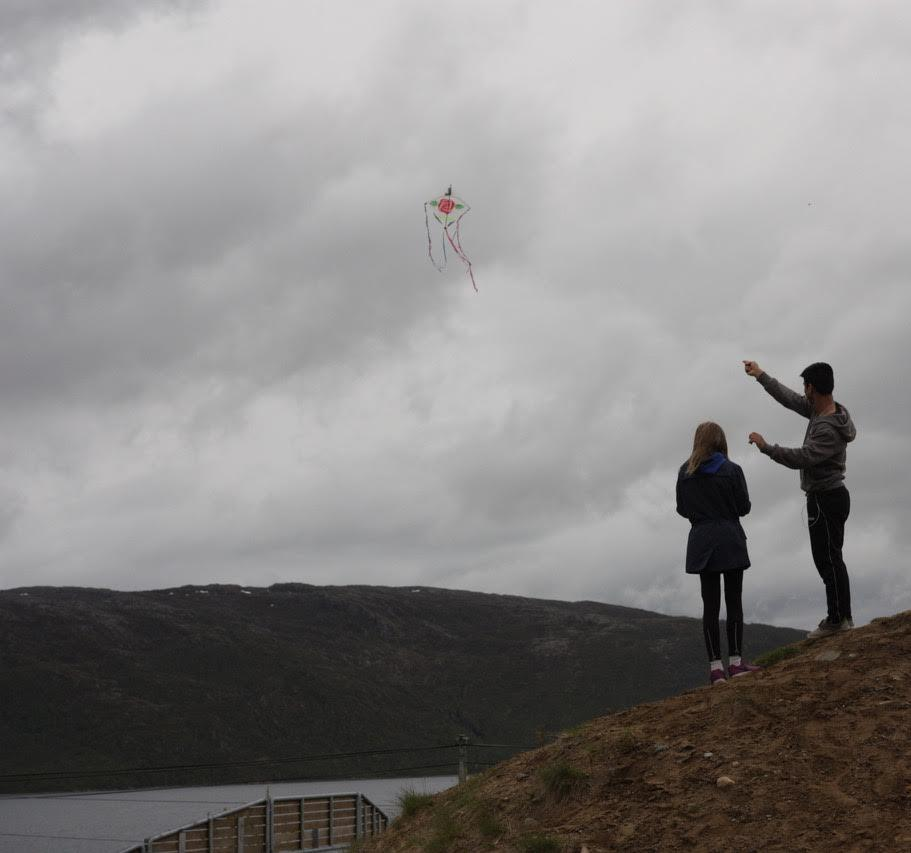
813	753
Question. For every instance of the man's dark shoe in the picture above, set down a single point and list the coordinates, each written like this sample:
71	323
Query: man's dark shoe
827	628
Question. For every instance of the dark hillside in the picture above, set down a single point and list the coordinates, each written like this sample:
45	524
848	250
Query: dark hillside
101	680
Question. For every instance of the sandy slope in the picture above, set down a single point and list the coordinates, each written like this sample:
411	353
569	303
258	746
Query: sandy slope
818	748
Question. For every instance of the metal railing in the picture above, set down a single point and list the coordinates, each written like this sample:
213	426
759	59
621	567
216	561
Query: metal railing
276	825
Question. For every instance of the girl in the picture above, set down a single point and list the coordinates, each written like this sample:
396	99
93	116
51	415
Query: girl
712	494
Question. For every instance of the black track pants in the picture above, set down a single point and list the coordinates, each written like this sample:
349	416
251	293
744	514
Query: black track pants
827	513
711	608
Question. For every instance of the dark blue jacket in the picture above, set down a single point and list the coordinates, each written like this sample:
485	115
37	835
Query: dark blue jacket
713	498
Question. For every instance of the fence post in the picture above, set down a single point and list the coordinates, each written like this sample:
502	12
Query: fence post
359	817
270	822
241	831
463	758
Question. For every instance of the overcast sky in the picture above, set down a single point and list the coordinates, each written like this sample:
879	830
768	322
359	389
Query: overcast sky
225	355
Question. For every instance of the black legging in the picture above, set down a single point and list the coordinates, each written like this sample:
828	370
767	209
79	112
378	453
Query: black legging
711	608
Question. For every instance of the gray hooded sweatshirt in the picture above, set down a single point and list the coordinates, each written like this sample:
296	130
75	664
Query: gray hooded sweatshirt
821	460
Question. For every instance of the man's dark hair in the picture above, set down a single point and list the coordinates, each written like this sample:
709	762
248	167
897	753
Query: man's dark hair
821	376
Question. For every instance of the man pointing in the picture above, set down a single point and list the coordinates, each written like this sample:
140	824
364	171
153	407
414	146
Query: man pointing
821	461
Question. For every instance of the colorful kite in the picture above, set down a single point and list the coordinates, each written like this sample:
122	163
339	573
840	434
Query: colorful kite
448	210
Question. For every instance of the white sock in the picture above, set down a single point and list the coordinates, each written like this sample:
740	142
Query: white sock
735	660
716	664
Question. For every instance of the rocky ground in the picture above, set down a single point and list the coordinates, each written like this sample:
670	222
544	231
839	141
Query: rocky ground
813	753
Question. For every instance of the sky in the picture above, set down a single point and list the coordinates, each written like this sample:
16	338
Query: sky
226	357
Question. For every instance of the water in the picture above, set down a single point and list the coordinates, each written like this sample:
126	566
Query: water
112	821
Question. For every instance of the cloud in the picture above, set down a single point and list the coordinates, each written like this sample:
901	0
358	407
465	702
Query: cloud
32	36
225	355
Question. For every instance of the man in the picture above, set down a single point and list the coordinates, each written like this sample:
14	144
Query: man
821	461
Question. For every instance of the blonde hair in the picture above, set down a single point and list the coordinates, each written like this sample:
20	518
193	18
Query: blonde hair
709	439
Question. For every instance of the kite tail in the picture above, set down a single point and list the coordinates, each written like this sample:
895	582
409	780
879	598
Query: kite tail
440	266
457	246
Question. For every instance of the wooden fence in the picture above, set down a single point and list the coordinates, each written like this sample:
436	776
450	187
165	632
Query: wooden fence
276	825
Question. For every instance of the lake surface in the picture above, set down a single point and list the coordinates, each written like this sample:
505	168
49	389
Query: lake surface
111	821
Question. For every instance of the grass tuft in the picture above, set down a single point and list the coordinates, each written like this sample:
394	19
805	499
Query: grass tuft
561	780
539	844
488	825
445	832
777	655
411	802
627	740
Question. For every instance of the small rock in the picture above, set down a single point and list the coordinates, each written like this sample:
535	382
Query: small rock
707	754
660	747
626	831
725	782
521	776
829	655
735	764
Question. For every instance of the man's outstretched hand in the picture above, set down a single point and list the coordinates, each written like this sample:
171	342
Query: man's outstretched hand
752	368
757	439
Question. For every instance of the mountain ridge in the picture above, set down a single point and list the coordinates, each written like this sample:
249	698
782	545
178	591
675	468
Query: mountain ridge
107	679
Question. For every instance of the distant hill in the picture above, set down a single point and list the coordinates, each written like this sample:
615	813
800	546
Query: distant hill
98	680
811	754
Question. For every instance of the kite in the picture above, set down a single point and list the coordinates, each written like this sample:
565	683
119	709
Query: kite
448	210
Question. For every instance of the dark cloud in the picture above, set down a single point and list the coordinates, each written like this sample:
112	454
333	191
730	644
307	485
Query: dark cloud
27	26
225	355
31	38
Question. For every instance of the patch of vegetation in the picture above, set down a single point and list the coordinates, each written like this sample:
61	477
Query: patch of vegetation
411	802
561	780
539	844
465	794
777	655
464	803
488	825
445	832
626	740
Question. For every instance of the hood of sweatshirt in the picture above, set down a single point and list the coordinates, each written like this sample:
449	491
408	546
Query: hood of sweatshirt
842	422
712	464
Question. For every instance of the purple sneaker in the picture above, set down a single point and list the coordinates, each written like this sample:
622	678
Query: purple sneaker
742	668
716	676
